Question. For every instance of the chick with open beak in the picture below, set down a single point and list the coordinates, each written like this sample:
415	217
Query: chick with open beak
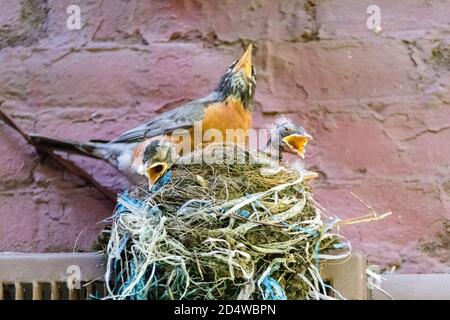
159	156
289	137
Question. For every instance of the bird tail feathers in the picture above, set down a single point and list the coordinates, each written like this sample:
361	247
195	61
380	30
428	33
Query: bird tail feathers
93	149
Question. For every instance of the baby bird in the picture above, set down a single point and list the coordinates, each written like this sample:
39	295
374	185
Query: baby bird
289	137
159	156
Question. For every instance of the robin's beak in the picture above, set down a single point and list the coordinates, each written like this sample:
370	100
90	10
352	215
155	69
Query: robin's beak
297	143
245	63
155	171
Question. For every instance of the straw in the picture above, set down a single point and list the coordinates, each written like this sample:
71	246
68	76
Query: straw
222	230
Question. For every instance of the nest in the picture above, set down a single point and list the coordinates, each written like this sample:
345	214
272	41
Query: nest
243	227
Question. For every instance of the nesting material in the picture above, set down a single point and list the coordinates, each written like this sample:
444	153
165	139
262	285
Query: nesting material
243	227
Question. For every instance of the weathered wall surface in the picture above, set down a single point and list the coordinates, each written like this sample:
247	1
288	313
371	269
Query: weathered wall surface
377	104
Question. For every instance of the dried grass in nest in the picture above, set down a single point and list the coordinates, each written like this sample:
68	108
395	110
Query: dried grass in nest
222	231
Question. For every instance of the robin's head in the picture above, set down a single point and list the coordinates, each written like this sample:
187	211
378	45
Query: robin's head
239	80
159	156
289	137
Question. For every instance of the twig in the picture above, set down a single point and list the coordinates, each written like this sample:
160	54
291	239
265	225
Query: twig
372	216
66	164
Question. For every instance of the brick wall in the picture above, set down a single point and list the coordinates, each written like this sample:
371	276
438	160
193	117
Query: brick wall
378	105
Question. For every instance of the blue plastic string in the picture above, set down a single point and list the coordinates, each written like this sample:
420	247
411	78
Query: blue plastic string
273	290
125	198
163	181
244	213
341	245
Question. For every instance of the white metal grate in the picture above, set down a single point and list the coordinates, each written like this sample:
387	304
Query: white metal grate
50	276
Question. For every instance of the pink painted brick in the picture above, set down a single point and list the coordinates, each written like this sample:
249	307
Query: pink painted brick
51	219
165	75
377	107
142	22
393	240
346	19
351	147
304	74
16	158
9	12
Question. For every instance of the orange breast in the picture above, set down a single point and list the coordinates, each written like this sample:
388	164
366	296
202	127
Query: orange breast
230	114
229	119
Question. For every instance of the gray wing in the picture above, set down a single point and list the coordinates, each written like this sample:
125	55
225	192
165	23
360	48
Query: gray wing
180	117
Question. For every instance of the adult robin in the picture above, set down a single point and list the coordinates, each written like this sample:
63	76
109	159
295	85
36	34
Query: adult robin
227	108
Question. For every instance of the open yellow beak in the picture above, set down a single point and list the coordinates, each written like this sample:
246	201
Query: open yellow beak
245	63
297	143
155	171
